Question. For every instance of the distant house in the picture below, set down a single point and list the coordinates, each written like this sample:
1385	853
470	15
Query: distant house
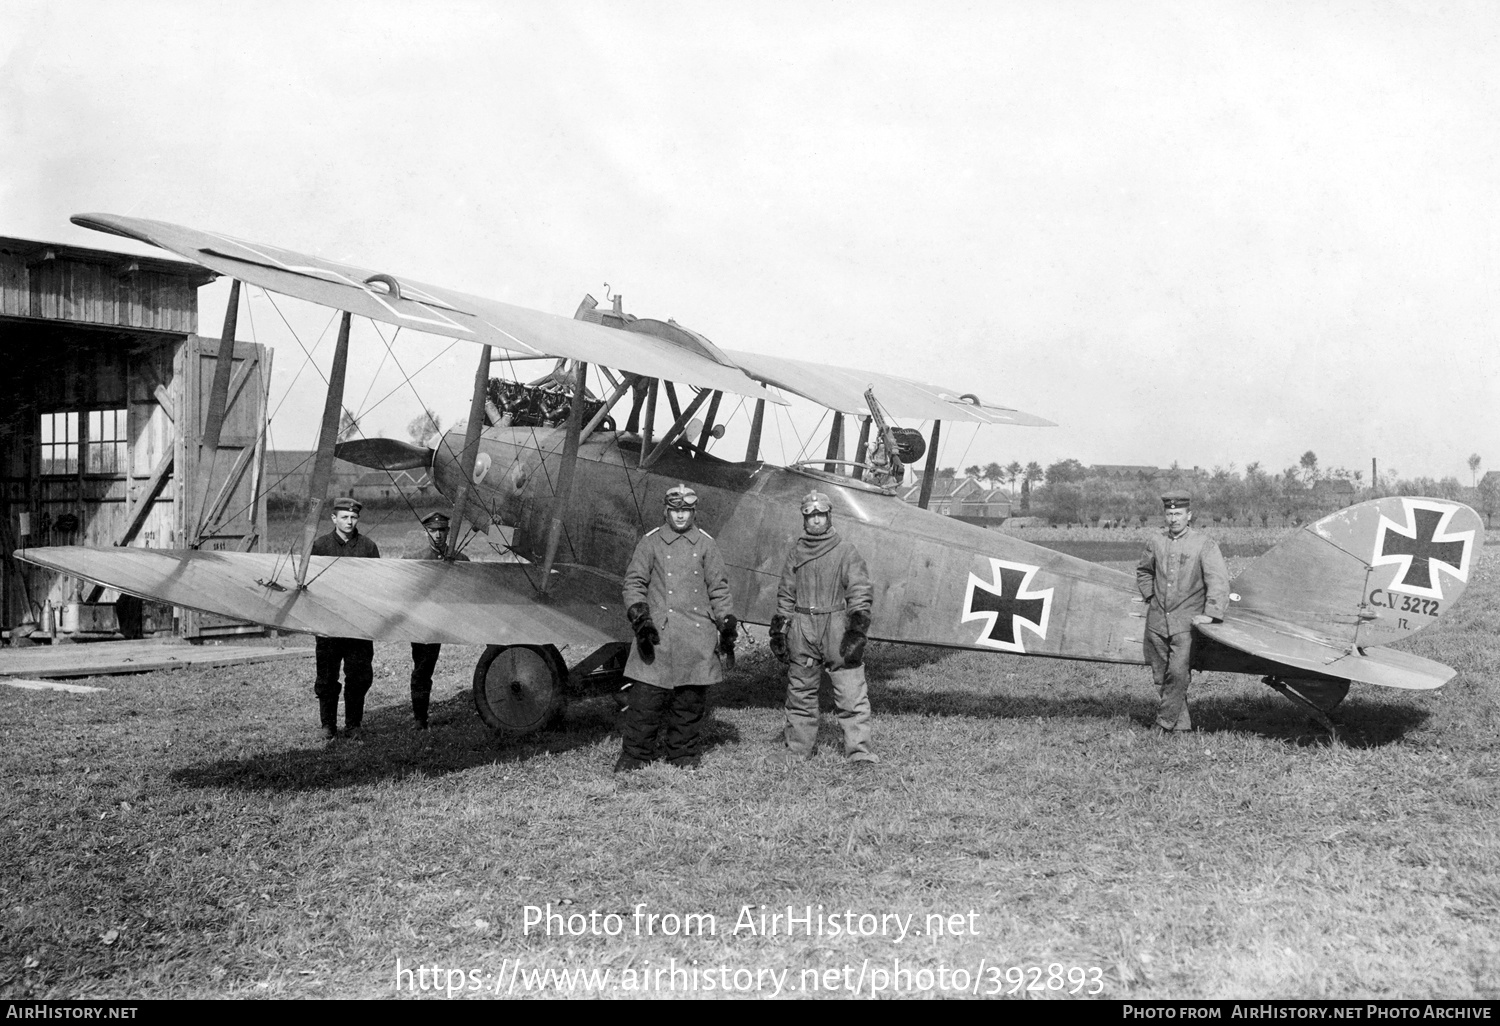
393	484
1334	493
962	497
289	473
1124	472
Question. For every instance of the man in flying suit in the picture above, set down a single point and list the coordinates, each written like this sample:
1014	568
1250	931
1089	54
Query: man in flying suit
356	654
822	617
424	657
1184	581
678	603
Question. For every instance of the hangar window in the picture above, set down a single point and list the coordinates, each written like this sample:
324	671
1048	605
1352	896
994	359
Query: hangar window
59	443
104	448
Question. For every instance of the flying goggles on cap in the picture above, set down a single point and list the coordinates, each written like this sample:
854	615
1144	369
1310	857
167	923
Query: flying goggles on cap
815	502
681	497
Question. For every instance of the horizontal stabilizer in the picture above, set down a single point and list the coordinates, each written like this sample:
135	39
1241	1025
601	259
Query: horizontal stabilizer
384	454
425	601
1308	651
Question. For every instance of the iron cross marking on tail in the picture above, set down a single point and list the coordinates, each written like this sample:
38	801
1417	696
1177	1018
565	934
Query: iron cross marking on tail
1423	550
1007	604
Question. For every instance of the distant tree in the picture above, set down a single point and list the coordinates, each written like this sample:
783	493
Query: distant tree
1474	462
1013	471
348	426
423	427
1033	472
1066	472
994	473
1064	502
947	473
1489	496
1309	463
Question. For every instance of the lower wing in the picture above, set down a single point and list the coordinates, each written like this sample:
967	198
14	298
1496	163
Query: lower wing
1303	649
378	599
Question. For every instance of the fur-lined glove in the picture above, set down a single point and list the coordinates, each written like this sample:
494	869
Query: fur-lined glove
852	648
647	637
778	639
728	630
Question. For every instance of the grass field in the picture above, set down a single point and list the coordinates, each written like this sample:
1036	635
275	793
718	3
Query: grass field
187	834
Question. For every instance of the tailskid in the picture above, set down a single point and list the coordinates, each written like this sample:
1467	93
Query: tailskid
1318	697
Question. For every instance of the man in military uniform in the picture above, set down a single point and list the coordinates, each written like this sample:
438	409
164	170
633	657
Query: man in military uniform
1184	581
822	617
678	603
424	657
355	654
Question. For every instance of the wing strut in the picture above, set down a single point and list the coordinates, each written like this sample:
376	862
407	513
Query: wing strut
621	387
708	422
328	436
650	420
937	429
835	443
470	451
672	434
752	451
565	478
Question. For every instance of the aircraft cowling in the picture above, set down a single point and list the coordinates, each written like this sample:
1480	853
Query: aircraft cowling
496	486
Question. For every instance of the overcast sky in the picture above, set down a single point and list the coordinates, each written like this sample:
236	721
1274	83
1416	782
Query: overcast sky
1209	233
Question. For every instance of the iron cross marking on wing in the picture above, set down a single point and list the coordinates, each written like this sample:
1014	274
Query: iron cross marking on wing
1424	550
1007	604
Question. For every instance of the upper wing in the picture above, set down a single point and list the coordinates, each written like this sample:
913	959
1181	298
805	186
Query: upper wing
384	599
1303	648
843	389
413	305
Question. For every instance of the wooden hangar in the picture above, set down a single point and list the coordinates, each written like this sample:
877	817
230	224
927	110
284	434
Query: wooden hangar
108	434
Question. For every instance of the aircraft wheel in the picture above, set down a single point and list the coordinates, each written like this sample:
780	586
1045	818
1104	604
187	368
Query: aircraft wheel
518	689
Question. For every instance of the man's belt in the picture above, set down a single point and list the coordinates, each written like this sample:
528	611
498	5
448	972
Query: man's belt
820	609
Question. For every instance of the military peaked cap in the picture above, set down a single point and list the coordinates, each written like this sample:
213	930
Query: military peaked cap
435	520
1176	499
343	502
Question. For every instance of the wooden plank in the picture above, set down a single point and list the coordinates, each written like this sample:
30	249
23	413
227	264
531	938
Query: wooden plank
164	398
51	685
116	657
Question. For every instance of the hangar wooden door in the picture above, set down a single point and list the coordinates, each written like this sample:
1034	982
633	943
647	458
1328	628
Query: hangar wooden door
222	492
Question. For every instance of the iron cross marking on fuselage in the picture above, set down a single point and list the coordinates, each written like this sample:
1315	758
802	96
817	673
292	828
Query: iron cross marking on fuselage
1007	604
1423	548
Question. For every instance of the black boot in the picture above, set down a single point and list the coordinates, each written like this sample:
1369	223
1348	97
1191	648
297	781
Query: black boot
354	714
328	715
419	700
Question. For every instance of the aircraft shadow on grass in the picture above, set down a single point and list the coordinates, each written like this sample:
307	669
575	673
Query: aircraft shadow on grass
458	741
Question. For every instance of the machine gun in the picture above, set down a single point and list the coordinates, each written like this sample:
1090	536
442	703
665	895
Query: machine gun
894	447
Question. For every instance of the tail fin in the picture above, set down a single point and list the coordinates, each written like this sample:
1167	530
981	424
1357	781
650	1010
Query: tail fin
1367	575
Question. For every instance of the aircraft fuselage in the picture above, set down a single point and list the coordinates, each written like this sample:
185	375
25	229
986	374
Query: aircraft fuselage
939	581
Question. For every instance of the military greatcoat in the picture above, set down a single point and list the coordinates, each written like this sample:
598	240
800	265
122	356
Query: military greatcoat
1181	578
682	579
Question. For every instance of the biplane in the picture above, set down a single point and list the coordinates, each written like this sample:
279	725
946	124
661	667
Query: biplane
549	463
